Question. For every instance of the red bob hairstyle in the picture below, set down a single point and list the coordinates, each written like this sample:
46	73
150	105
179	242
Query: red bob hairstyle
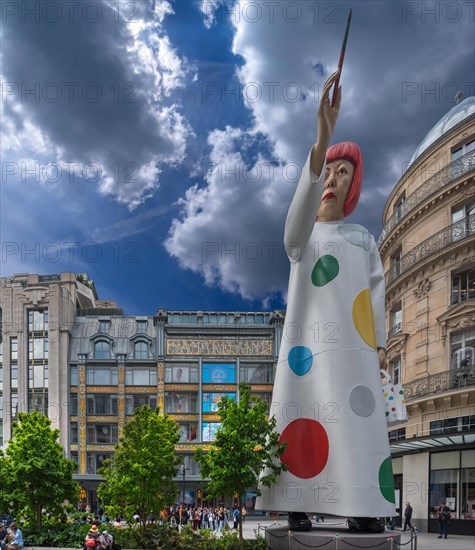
351	152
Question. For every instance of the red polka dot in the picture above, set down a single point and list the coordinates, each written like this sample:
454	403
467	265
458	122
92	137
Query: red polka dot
307	448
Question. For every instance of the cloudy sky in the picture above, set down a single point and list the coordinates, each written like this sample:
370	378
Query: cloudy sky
156	144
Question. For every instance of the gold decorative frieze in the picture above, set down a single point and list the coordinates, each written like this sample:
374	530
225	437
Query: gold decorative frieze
186	446
181	387
261	387
141	389
73	389
102	418
219	387
187	417
102	389
108	448
73	448
210	417
190	346
121	400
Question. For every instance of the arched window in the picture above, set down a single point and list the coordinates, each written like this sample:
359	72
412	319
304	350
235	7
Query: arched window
141	350
102	350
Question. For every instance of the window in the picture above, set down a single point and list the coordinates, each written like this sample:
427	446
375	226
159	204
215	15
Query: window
396	264
137	400
101	403
104	327
396	321
397	435
219	373
464	165
95	461
462	348
38	401
256	373
456	424
74	376
395	370
211	400
13	349
37	348
74	433
463	221
463	286
73	403
209	430
102	376
141	350
13	376
38	321
188	432
399	208
38	376
102	433
183	402
193	468
181	373
141	376
142	327
264	396
102	350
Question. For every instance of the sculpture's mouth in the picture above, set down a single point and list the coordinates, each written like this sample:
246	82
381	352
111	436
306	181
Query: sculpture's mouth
328	196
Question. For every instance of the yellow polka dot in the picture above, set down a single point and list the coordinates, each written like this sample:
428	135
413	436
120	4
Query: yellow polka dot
363	317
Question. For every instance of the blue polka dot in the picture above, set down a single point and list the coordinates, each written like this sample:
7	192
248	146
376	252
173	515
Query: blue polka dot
300	360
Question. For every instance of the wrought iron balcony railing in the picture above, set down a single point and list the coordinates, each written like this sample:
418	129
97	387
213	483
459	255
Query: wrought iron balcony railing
457	231
449	173
440	382
394	330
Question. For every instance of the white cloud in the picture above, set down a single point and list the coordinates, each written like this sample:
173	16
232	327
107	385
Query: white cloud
133	131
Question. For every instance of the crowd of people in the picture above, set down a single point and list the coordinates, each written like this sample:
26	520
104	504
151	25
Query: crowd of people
202	517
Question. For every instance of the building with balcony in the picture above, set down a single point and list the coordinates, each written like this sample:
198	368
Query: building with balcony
428	251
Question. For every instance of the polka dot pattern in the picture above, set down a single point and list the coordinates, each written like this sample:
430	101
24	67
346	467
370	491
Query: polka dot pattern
386	480
363	317
300	359
307	447
362	401
325	270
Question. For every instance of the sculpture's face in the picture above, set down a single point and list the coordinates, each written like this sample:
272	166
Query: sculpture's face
338	178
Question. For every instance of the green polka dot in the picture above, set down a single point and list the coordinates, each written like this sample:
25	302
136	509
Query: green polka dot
386	480
325	270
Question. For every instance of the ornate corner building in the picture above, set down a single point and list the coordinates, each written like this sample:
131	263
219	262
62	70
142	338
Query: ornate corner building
428	251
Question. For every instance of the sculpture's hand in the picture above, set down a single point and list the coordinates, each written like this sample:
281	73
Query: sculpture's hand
327	117
383	363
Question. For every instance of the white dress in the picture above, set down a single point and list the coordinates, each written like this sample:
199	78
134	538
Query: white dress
327	396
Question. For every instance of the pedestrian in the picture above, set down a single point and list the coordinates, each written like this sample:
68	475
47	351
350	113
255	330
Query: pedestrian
243	513
3	536
235	517
443	516
407	516
106	540
93	541
15	538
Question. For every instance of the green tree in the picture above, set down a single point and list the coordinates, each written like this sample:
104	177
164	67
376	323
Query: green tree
245	445
35	473
140	477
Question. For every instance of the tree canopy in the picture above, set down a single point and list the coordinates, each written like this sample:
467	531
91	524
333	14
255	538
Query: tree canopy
140	477
246	444
34	472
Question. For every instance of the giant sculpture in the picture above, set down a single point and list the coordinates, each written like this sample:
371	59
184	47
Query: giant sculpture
327	396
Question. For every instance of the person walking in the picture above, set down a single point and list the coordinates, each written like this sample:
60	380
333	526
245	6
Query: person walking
443	516
407	516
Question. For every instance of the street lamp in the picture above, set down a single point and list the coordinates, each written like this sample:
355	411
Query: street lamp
183	473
